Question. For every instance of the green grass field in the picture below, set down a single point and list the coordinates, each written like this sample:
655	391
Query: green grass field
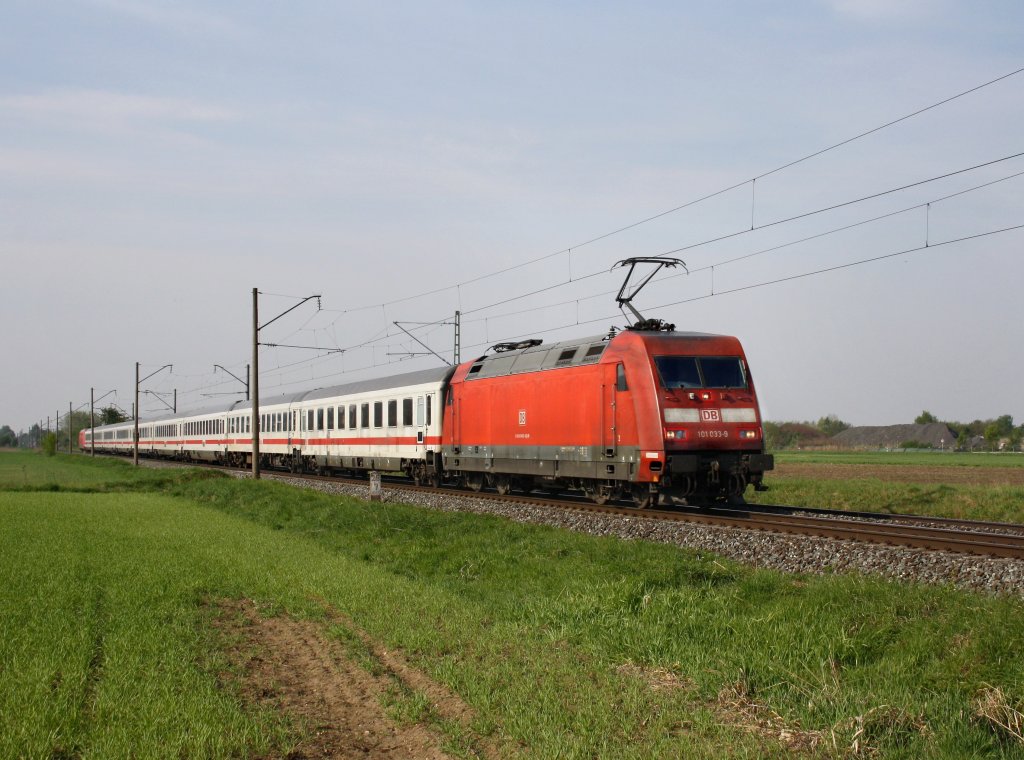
906	458
565	645
974	500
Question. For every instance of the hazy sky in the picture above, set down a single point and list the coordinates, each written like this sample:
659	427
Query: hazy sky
158	160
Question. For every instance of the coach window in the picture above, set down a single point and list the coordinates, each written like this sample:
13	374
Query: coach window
378	414
429	399
364	416
419	411
309	420
330	418
319	419
406	411
393	413
352	418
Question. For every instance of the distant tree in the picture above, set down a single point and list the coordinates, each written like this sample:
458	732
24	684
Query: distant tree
1004	425
992	435
792	435
963	438
915	445
925	418
832	425
112	415
49	444
8	438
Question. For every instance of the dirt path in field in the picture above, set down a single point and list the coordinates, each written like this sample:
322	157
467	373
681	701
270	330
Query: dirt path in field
967	476
291	666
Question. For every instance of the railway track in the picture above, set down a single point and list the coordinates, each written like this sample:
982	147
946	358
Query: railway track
992	539
932	533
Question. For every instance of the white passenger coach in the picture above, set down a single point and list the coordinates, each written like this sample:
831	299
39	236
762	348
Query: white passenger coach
388	424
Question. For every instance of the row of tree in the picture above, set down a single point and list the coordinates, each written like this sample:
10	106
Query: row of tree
33	438
991	434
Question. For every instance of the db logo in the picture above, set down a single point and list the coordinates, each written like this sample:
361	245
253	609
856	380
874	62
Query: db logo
522	416
710	415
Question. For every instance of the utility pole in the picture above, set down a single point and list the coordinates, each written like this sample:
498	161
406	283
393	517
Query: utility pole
71	427
136	409
92	422
256	327
135	415
457	355
255	384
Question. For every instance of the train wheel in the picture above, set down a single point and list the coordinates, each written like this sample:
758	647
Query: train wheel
644	499
475	482
597	495
503	484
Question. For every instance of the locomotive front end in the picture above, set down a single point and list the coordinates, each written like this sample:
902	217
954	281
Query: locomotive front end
713	440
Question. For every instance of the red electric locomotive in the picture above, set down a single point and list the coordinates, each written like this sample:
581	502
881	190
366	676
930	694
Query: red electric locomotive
650	414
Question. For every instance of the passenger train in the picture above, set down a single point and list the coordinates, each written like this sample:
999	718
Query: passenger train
650	415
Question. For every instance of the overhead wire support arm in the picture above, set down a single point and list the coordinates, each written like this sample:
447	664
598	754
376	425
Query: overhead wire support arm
293	308
160	398
243	382
166	366
309	348
399	326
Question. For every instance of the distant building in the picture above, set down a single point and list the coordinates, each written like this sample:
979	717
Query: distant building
934	434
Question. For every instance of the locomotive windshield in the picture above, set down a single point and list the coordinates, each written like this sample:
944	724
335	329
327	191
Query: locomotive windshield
701	371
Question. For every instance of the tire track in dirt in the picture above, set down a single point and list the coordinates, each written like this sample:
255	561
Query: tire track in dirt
291	666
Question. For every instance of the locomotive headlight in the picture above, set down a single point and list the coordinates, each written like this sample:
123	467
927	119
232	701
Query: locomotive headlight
748	434
675	435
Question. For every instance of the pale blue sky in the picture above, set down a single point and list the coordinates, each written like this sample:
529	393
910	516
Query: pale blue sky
158	160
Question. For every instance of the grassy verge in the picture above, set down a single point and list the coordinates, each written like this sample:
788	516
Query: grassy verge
998	503
565	645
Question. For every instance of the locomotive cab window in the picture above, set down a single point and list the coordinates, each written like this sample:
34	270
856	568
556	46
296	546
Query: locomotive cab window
723	372
620	378
701	372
